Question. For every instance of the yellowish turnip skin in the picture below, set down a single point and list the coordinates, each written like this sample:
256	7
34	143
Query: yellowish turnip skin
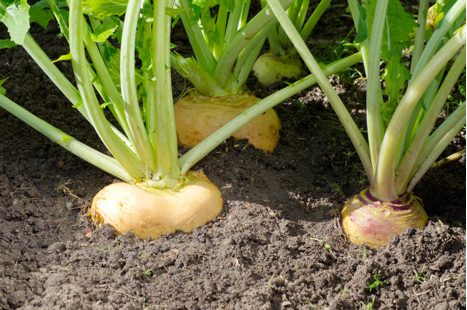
270	69
153	213
374	226
198	116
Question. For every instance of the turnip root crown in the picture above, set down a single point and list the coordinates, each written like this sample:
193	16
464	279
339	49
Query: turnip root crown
148	212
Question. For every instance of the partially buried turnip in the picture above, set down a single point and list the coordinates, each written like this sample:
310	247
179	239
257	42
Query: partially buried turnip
154	212
367	220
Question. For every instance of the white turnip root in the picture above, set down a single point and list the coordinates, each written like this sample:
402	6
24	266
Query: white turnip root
155	212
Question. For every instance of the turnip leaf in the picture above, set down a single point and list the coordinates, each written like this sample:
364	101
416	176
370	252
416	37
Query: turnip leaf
41	14
104	31
6	43
104	8
15	16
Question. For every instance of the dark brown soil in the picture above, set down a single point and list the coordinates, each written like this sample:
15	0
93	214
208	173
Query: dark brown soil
277	244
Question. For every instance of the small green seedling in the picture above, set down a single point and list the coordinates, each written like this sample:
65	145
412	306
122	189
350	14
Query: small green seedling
147	273
312	306
272	277
297	267
109	247
327	246
337	189
145	306
420	276
376	283
270	281
367	306
348	154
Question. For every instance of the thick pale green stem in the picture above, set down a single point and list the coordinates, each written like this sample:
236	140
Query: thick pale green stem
353	6
279	43
314	18
248	59
149	87
430	49
204	147
405	170
166	135
301	14
109	87
221	24
350	127
373	116
96	158
274	43
116	146
419	41
234	21
54	74
59	79
197	41
383	186
248	56
202	80
128	87
432	46
438	142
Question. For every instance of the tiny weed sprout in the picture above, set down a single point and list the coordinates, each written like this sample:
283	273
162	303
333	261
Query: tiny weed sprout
282	61
327	246
402	144
110	248
147	273
376	283
225	47
420	276
368	306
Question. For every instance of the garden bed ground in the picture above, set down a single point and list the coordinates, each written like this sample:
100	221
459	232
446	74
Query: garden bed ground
277	244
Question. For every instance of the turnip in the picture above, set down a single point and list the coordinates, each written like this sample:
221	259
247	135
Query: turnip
155	212
282	61
401	144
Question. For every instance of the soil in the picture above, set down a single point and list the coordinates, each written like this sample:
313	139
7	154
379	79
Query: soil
277	244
